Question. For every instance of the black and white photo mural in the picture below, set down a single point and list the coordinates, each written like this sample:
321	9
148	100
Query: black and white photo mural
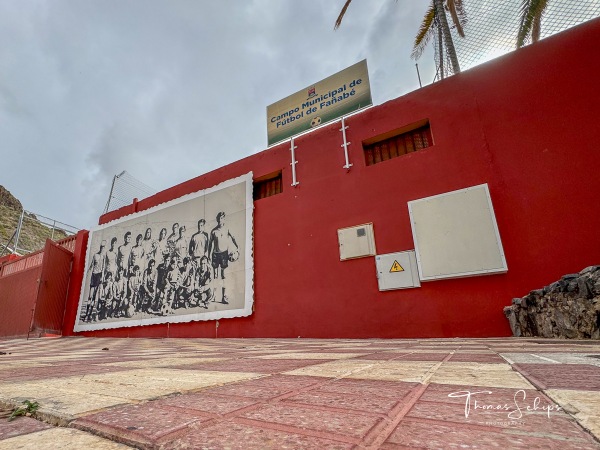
184	260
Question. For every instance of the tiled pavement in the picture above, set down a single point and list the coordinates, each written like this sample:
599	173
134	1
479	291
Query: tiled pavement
283	393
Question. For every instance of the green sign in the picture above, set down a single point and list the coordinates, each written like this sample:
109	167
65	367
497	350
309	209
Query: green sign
340	94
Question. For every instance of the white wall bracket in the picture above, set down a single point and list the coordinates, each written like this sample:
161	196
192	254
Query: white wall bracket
295	182
345	144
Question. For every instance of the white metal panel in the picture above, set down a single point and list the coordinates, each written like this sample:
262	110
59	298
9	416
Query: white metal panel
357	241
456	235
397	270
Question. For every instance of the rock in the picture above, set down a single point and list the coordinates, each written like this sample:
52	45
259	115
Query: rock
589	269
568	308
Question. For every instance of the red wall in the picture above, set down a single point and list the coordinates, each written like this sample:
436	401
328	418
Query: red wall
524	123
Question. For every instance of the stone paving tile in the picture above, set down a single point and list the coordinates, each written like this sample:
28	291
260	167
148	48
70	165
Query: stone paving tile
398	370
333	369
584	405
439	393
476	374
266	388
40	373
556	425
206	403
396	390
430	434
553	358
487	358
311	355
304	418
54	400
562	376
163	362
19	426
235	436
254	365
424	356
60	439
386	355
147	423
351	402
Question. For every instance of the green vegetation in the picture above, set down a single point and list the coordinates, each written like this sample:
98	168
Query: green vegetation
33	233
26	409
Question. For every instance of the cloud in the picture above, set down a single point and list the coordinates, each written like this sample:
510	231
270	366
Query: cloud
168	90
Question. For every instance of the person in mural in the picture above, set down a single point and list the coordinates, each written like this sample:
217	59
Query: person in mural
162	248
203	289
123	254
199	243
172	238
118	309
172	283
161	284
107	296
148	289
97	265
186	286
220	250
136	256
134	284
181	244
149	245
110	263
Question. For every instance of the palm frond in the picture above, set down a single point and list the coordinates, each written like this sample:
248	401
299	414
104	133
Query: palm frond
457	12
531	16
426	31
338	22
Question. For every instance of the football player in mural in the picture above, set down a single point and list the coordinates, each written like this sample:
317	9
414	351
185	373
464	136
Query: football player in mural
221	252
172	238
148	289
97	270
199	243
149	245
118	309
136	256
123	254
186	286
134	284
203	283
181	244
172	284
110	264
107	296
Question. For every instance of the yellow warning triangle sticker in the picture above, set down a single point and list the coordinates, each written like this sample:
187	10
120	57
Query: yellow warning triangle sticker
396	267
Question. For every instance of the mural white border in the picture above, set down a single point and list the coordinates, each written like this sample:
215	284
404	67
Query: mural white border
246	257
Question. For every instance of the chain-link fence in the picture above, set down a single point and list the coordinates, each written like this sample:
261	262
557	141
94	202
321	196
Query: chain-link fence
124	189
26	232
491	28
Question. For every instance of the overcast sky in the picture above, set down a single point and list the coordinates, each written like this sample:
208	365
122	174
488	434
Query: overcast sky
169	90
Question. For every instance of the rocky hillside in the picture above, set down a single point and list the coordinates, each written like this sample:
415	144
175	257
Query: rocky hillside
33	234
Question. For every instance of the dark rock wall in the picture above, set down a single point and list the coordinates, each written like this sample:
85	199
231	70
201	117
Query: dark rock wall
568	308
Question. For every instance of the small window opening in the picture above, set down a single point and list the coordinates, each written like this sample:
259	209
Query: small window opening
267	185
398	144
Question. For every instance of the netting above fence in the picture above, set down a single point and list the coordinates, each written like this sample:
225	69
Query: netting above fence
492	26
124	189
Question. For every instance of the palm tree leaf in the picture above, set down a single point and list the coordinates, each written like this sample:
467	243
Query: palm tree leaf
454	7
338	22
426	31
531	16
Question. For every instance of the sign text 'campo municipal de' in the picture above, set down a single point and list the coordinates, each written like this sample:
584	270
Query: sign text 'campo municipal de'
327	100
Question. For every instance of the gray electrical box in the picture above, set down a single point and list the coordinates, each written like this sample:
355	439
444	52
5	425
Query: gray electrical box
397	271
357	241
